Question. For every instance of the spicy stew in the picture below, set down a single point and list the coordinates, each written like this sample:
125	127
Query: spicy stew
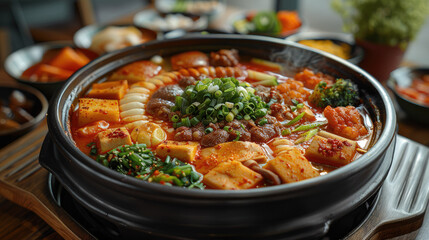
219	120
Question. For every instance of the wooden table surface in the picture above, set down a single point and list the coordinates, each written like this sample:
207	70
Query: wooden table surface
18	223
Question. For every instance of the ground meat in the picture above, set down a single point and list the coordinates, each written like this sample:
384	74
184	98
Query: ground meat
168	93
159	108
187	81
214	138
224	58
263	92
263	133
345	121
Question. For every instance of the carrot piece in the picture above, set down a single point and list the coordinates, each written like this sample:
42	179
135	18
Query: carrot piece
52	73
289	20
69	59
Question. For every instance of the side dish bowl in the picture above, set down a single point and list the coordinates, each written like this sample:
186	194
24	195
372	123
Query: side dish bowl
403	77
356	52
83	37
24	58
137	208
38	109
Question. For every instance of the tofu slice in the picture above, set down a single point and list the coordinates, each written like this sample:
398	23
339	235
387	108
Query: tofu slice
184	151
331	150
228	151
232	175
93	109
109	90
291	166
112	138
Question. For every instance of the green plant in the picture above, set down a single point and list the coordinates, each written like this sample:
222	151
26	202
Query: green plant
390	22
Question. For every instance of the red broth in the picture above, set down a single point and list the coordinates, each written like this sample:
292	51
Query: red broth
286	145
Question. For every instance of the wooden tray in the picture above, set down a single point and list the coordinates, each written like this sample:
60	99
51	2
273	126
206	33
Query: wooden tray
24	182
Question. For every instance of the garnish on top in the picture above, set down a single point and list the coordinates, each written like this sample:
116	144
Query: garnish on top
341	93
215	100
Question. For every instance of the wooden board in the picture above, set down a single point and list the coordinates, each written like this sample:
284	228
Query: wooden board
24	182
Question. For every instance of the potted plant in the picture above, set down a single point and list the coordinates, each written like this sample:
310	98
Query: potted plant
383	28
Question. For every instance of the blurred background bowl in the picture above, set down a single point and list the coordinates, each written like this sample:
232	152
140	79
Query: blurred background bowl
22	59
244	15
148	18
356	52
83	37
37	110
403	77
208	8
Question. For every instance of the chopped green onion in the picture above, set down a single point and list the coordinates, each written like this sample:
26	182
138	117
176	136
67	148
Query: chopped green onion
227	128
218	99
186	122
295	102
194	121
286	132
263	121
229	104
175	118
260	112
238	136
309	126
208	130
311	134
295	120
229	117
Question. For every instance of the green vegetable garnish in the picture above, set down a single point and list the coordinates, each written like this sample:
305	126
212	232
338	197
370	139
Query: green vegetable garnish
293	121
138	161
309	126
215	100
341	93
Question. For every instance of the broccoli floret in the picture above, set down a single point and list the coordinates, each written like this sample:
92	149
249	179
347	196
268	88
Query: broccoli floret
341	93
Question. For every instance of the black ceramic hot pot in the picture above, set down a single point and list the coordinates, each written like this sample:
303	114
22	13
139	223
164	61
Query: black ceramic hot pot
146	210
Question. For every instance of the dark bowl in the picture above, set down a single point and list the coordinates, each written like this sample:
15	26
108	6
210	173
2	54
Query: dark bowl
403	77
140	209
83	37
37	111
20	60
356	52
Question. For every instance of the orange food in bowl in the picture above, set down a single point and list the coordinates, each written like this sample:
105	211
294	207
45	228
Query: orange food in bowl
289	20
57	68
418	91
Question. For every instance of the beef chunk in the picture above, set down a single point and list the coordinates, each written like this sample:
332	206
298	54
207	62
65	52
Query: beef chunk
214	138
224	58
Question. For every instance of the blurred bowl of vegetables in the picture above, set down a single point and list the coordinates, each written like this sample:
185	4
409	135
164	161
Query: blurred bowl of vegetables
339	44
269	23
103	39
410	86
46	66
22	108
